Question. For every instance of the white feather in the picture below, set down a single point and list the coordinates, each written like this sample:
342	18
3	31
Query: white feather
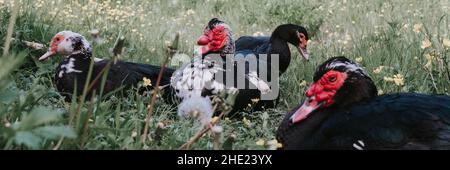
192	78
68	68
350	66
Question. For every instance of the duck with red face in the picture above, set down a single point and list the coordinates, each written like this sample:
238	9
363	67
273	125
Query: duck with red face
72	72
217	38
199	77
342	111
196	77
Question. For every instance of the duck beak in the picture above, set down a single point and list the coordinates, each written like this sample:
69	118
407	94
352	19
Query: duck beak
203	40
304	52
306	109
204	50
47	55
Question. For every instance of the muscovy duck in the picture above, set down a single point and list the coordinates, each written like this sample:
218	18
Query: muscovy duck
193	78
342	111
72	71
277	43
200	76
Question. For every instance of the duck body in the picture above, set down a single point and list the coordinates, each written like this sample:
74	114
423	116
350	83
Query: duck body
218	50
342	110
71	74
395	121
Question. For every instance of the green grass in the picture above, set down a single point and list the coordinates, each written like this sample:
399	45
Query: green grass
378	33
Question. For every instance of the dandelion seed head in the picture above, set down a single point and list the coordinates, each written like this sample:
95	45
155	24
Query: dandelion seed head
217	129
196	107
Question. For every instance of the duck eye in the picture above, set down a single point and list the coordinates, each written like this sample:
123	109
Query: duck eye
332	79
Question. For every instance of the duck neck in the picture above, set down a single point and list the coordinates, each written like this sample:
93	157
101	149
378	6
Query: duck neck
79	61
306	130
281	48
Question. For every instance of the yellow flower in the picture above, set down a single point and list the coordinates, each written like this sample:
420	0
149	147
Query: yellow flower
446	42
429	59
417	28
274	144
246	122
133	134
425	43
260	142
214	119
380	92
397	79
359	59
388	79
279	145
190	12
34	45
378	69
303	83
147	82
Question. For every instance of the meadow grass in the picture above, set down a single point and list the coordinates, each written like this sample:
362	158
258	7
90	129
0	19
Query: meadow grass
388	38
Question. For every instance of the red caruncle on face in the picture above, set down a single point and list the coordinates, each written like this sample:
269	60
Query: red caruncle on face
326	87
213	40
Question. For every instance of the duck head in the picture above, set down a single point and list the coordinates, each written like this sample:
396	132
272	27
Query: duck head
295	35
339	82
216	38
67	43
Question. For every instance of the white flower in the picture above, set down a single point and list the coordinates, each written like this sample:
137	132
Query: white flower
274	144
34	45
303	83
398	79
417	28
196	107
260	142
425	43
378	69
133	134
429	59
147	82
258	33
446	42
380	92
246	122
